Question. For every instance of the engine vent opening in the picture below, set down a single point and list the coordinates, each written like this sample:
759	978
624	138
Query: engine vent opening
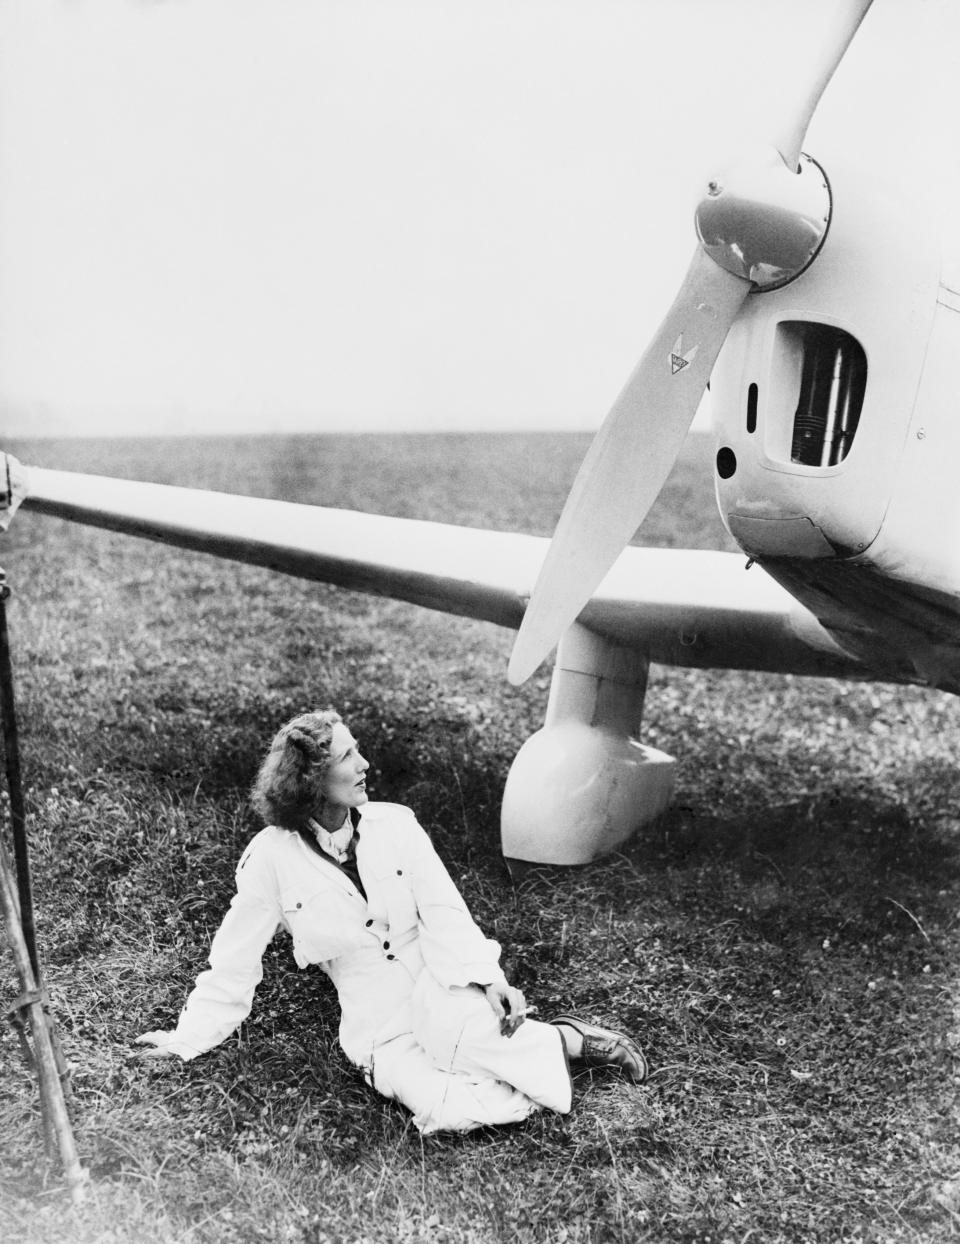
833	378
752	394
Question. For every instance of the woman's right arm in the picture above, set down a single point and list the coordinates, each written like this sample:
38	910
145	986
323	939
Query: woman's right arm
221	999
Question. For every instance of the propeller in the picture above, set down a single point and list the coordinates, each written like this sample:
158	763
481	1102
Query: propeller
759	226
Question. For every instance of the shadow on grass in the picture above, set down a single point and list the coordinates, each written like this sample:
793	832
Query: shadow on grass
787	866
850	848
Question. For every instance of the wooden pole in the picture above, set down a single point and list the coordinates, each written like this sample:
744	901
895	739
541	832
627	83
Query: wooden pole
11	751
16	904
51	1090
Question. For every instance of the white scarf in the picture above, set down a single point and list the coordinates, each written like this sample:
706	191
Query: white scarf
337	844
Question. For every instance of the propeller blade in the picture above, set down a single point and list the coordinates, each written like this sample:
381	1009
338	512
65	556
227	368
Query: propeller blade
844	21
630	458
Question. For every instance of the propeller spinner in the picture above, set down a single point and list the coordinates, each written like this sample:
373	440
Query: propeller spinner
760	225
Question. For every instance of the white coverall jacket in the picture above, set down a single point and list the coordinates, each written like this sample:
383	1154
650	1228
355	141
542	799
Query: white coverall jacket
401	961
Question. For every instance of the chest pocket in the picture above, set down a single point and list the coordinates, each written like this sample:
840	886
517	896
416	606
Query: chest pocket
391	897
323	919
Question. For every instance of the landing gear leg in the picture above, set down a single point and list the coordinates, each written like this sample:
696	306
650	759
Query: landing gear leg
584	784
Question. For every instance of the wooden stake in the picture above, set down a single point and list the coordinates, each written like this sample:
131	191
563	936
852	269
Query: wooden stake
16	904
51	1090
11	756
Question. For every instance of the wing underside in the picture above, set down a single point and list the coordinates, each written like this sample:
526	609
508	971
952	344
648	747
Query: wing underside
697	608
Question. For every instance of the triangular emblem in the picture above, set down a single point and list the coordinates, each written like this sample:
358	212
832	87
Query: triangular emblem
679	360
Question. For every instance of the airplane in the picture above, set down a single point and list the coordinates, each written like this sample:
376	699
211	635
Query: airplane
822	305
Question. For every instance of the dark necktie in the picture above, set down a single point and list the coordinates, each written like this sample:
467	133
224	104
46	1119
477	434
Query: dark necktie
348	864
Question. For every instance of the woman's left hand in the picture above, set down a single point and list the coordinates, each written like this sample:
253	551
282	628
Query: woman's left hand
508	1004
165	1046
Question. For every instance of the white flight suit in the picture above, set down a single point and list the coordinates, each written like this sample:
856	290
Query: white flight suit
401	962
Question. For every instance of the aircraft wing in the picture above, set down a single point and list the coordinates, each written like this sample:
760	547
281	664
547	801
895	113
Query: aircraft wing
696	608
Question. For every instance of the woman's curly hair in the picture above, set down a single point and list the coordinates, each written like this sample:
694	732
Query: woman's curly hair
289	786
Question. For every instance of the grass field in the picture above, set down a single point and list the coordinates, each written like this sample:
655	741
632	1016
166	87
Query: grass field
784	944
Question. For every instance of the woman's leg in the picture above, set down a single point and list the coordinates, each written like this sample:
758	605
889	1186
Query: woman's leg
442	1100
459	1031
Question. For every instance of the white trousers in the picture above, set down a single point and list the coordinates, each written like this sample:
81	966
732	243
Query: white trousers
455	1070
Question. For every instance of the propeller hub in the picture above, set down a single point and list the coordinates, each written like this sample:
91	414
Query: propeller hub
762	222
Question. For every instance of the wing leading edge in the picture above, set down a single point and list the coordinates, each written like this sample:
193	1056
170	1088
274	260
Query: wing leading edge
698	608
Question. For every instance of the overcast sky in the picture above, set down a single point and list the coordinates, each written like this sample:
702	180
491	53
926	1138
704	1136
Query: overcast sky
238	215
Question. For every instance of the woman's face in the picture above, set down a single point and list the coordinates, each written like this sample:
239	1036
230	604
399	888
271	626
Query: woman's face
344	784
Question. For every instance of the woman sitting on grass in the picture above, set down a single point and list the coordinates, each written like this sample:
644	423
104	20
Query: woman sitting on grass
426	1012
